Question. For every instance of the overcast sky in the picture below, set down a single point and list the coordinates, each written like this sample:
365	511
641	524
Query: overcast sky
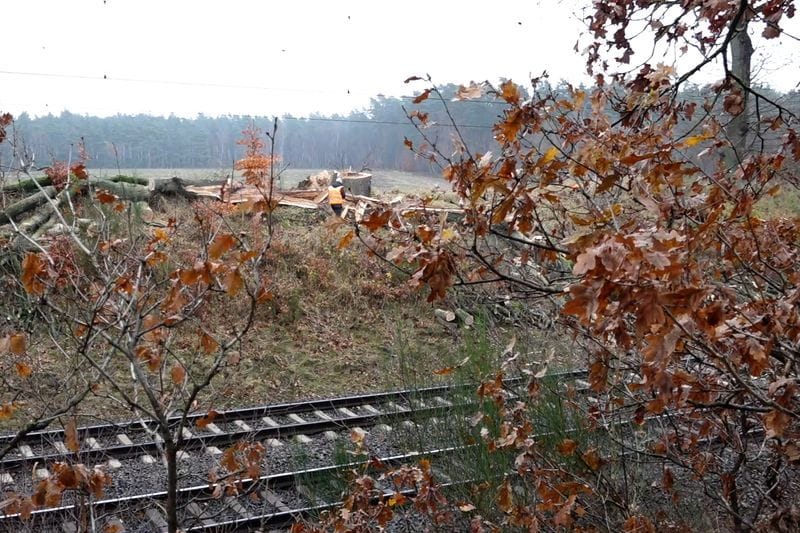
259	57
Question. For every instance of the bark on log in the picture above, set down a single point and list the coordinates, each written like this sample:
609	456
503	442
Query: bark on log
126	191
34	222
13	211
130	179
44	228
178	186
360	184
464	317
444	314
25	185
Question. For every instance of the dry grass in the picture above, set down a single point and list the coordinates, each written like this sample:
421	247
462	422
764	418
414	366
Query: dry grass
337	324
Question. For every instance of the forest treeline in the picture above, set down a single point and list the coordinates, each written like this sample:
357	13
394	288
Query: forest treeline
371	138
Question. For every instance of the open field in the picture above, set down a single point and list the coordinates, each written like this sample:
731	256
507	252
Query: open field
383	181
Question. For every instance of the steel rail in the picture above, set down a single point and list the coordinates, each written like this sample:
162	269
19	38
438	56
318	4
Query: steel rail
205	439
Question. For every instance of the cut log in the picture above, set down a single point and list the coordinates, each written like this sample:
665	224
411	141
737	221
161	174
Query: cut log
34	222
25	185
44	228
464	317
130	179
126	191
179	186
297	202
444	314
17	209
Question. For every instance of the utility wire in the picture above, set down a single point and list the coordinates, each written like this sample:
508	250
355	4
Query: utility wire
389	122
211	85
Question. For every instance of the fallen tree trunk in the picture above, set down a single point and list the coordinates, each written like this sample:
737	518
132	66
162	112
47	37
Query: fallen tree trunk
130	179
126	191
15	210
25	185
35	221
178	186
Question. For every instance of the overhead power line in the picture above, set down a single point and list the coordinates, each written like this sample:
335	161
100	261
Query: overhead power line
389	122
215	85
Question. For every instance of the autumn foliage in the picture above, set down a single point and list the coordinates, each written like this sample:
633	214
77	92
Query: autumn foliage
126	304
636	212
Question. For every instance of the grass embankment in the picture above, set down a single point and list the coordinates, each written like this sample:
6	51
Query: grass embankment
337	324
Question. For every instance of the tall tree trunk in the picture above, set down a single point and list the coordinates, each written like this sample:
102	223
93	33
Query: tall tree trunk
741	55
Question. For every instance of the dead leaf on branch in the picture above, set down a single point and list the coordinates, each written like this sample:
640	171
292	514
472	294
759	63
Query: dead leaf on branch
221	244
422	96
33	269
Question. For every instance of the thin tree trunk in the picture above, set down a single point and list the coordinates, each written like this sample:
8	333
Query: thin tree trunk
741	56
171	455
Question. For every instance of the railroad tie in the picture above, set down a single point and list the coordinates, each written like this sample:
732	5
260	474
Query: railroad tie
297	418
25	451
124	439
234	504
303	439
441	401
6	479
60	447
69	527
213	428
93	444
322	416
213	450
274	500
347	412
197	512
148	459
156	519
241	424
368	408
186	433
270	422
305	492
42	473
397	408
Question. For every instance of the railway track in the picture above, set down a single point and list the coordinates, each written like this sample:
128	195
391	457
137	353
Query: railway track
283	499
272	501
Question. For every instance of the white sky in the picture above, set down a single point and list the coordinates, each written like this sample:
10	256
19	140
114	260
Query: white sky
261	57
